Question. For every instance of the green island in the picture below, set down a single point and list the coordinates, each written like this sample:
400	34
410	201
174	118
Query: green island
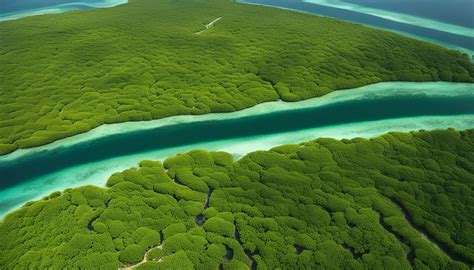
68	73
398	201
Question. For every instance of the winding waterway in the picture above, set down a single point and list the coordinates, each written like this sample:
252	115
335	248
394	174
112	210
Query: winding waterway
366	112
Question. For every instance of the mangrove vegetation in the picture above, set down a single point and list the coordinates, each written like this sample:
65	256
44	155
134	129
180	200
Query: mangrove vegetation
65	74
399	201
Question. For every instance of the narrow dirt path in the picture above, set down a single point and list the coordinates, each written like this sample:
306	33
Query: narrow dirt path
144	259
209	25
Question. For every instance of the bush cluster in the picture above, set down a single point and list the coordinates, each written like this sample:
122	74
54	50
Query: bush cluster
65	74
399	201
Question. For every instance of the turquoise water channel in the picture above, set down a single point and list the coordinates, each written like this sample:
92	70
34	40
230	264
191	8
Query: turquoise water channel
364	112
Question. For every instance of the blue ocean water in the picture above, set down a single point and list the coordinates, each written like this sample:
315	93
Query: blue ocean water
459	12
11	10
460	16
8	6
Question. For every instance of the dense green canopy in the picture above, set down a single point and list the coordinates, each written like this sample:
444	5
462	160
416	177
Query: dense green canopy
64	74
399	201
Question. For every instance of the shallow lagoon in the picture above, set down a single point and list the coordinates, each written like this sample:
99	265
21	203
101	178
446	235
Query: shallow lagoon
460	11
369	111
11	10
409	15
429	26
